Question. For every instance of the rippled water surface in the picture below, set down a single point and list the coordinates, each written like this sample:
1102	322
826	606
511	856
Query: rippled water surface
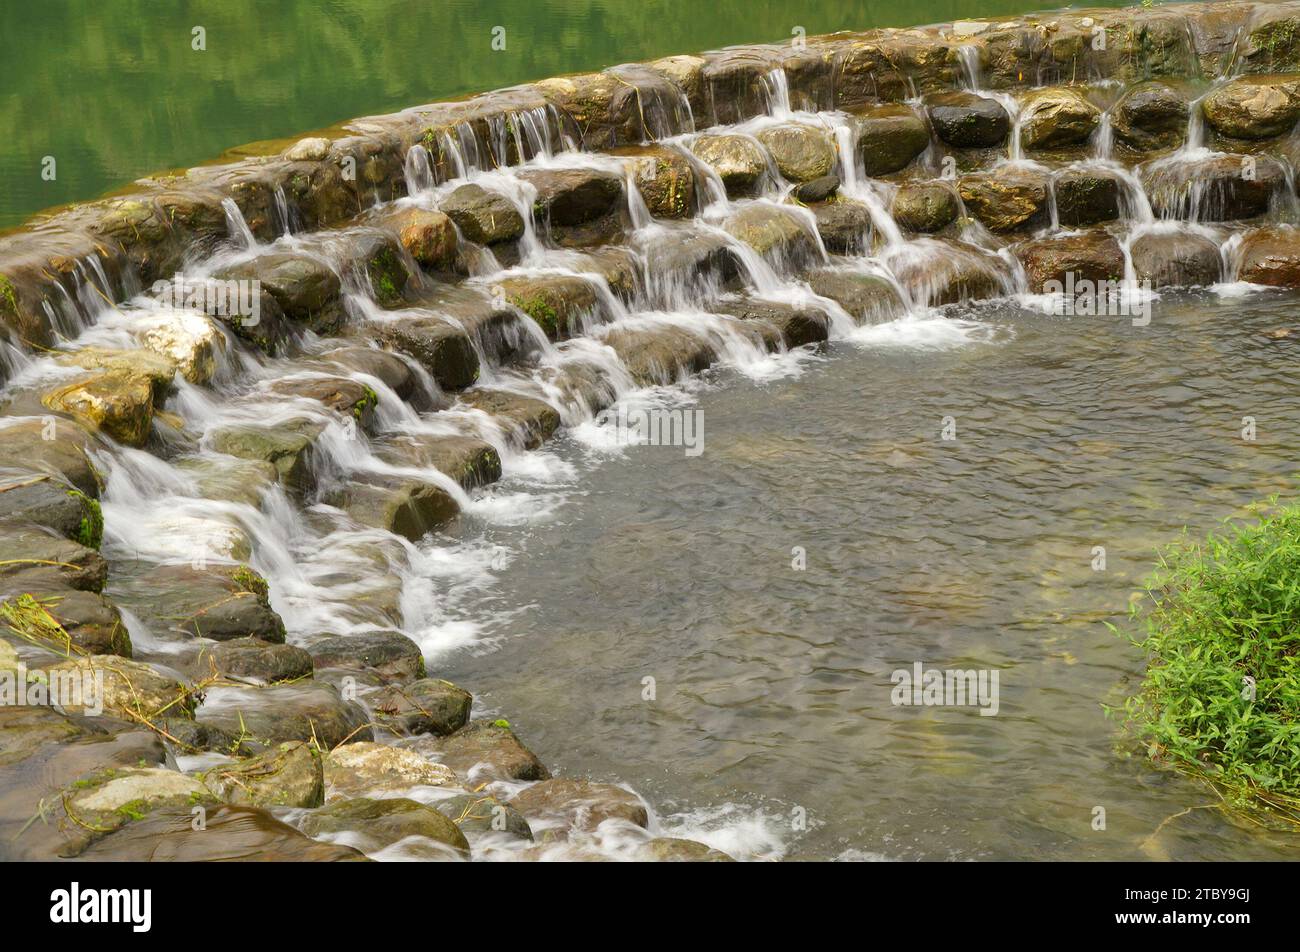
773	685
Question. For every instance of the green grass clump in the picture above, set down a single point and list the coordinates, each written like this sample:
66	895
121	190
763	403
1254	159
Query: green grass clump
1221	697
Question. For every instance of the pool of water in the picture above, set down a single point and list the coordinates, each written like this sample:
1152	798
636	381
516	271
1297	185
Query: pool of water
114	90
771	727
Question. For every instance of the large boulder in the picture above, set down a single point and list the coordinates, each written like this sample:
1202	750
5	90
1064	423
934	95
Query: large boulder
388	655
1176	259
739	161
56	447
220	602
1086	196
664	177
1093	256
288	446
561	304
373	825
889	138
428	236
1008	199
968	121
484	217
1150	117
427	706
439	346
484	751
1254	107
305	287
117	404
466	459
801	152
345	396
773	231
1271	256
370	769
845	226
1057	117
101	804
1213	187
561	804
925	206
288	775
260	718
868	298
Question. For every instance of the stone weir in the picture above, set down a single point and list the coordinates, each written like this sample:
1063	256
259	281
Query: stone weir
241	403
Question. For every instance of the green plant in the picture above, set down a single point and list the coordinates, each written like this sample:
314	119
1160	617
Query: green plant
90	532
1221	696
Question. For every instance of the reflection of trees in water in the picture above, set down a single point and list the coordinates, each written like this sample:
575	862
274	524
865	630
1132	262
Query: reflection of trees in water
112	89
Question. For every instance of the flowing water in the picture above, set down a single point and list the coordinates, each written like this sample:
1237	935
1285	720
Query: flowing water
773	684
720	631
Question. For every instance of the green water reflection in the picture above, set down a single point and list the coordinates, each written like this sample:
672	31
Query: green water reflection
113	90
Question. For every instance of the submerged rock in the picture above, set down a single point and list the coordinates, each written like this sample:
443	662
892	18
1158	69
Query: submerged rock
660	354
478	814
664	849
376	824
562	804
939	271
783	326
288	446
263	717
